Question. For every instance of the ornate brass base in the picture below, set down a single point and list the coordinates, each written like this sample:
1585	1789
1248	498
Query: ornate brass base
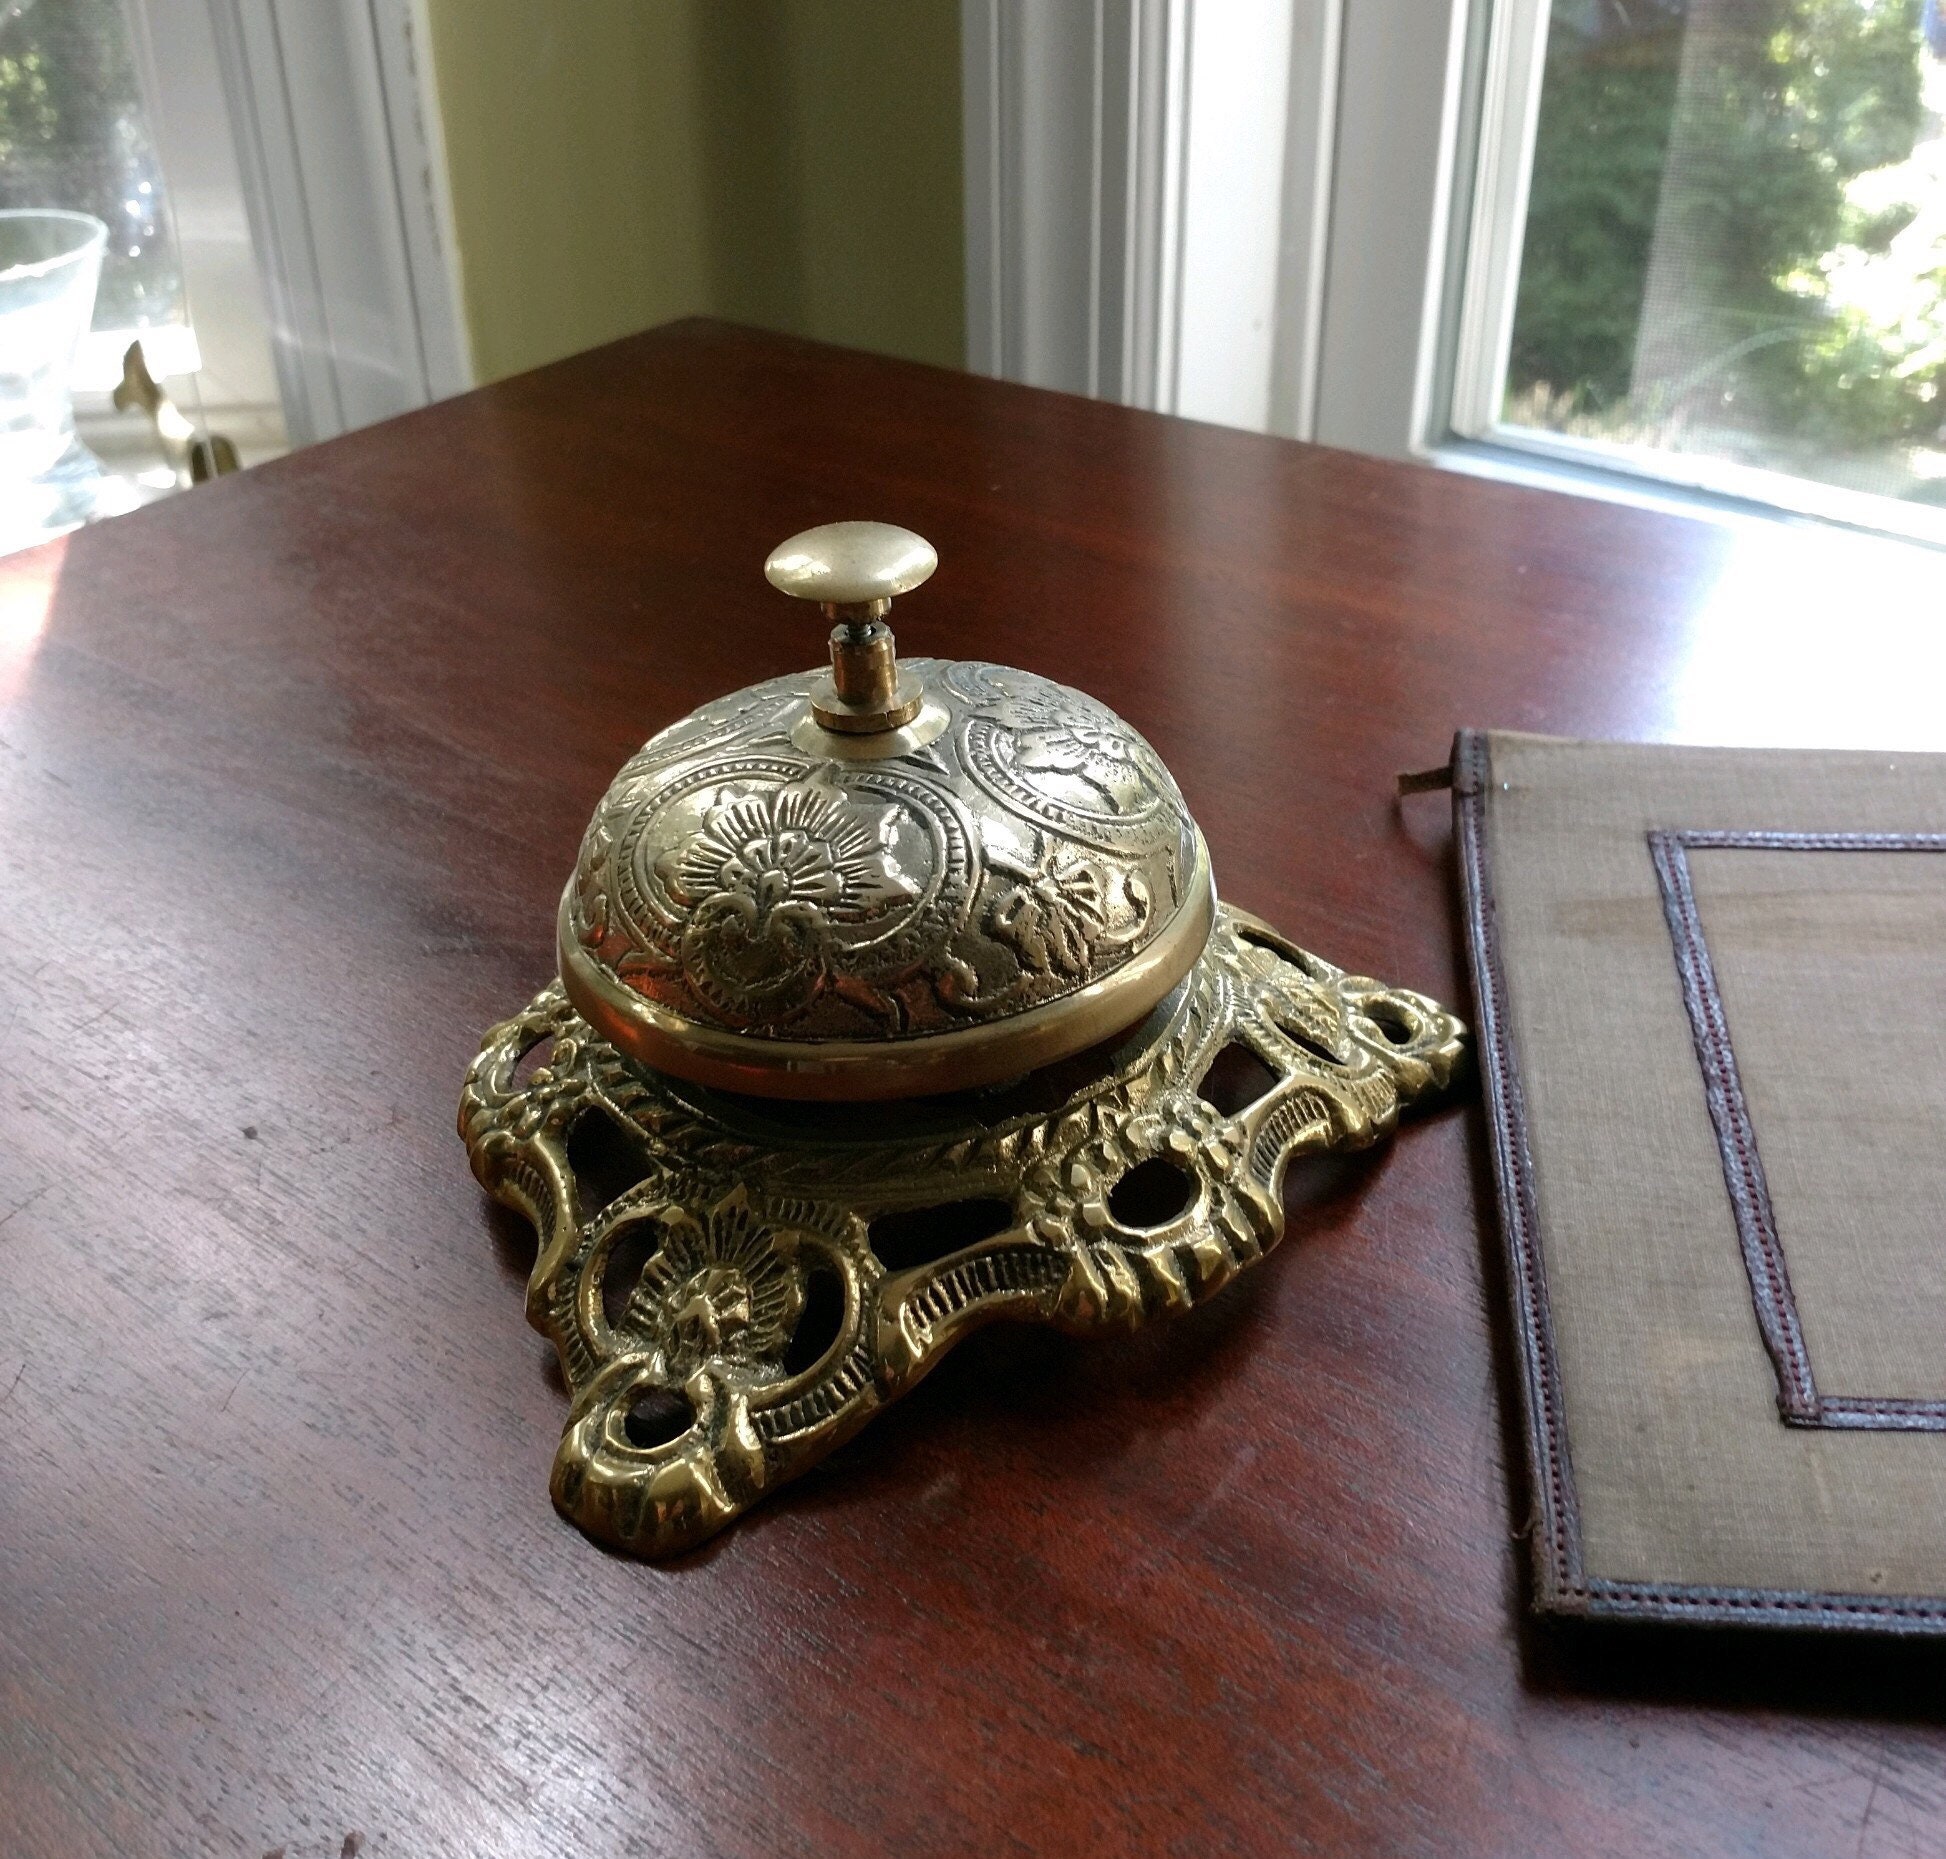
768	1277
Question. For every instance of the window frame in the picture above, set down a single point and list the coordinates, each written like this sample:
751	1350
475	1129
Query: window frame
185	117
1469	433
1409	137
333	105
346	206
1113	150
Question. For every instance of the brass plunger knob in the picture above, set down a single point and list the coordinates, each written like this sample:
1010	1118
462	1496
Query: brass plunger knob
852	570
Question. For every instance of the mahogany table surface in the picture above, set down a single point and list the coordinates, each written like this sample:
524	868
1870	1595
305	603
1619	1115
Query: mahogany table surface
292	769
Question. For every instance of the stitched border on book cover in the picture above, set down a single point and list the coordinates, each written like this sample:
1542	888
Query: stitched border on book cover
1562	1583
1799	1399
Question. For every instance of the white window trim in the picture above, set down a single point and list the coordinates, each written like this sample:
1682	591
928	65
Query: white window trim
1504	140
1685	480
1395	173
348	204
1072	124
1409	142
1101	250
332	114
191	138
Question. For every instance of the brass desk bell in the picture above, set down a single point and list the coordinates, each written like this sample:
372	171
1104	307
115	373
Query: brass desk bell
893	999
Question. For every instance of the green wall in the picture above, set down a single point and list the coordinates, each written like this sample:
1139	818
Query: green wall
791	163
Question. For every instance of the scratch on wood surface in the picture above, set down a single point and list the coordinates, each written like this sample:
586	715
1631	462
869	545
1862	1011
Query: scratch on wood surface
464	944
359	1133
27	1203
1865	1825
12	1385
228	1398
1486	1419
1240	1464
1165	1546
1886	1825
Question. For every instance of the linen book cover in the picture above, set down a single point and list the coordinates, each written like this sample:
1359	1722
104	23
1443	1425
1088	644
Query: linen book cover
1711	1010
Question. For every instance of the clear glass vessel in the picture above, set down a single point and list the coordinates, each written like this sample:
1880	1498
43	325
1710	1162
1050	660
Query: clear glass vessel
50	263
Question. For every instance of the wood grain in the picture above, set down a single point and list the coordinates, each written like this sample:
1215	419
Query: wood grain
291	770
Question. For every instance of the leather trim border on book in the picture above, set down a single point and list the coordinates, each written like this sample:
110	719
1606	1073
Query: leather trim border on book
1557	1516
1561	1583
1798	1398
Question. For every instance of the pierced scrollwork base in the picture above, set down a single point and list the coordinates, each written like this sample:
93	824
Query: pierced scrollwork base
734	1289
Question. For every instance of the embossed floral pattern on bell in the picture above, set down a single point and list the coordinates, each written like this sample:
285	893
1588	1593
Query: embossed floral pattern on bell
1056	918
1019	844
765	880
1073	759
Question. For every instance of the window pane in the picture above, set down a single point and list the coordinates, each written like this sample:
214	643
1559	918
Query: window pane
1736	236
73	134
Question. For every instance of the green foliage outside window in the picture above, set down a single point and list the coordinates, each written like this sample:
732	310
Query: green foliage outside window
1599	148
1816	237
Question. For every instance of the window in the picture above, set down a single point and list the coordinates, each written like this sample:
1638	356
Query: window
1687	251
74	133
273	183
1732	268
93	123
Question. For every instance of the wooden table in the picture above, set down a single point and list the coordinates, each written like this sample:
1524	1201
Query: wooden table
291	770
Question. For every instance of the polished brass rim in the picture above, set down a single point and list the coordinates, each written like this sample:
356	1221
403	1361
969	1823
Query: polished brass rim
883	1068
